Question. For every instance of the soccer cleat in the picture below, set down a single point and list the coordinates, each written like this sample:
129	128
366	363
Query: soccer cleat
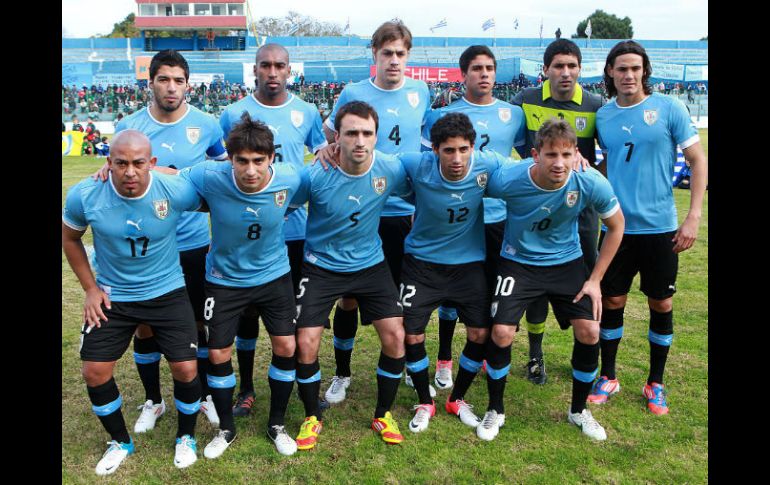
443	378
114	456
219	444
208	408
536	371
603	389
186	451
150	413
586	422
463	410
243	404
388	429
490	425
283	442
308	433
422	417
336	392
656	398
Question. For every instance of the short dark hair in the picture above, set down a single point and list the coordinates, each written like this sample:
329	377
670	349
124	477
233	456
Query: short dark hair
249	135
561	46
471	53
390	31
452	125
554	129
627	47
358	108
171	58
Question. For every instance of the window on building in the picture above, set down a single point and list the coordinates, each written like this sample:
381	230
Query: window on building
217	9
202	9
181	9
235	9
148	10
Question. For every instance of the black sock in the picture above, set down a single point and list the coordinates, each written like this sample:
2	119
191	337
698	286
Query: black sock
147	358
661	334
222	384
498	365
345	328
535	332
610	334
585	360
106	402
245	346
471	360
417	364
203	363
280	376
388	377
187	398
309	386
447	320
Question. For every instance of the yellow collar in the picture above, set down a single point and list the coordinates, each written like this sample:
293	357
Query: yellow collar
577	97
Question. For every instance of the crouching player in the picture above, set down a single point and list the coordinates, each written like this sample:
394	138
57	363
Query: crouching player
541	255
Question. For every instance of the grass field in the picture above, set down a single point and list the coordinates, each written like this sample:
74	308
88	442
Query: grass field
536	445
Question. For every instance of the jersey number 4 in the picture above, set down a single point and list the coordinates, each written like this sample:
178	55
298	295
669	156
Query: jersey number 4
394	136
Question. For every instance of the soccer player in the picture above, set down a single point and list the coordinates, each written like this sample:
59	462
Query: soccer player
295	125
402	104
542	256
445	254
640	131
181	136
562	97
343	256
499	127
248	265
133	218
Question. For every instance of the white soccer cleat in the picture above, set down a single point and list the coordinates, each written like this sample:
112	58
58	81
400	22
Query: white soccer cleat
464	411
336	392
422	417
443	378
208	408
113	457
186	451
284	443
408	381
586	422
150	413
490	425
219	444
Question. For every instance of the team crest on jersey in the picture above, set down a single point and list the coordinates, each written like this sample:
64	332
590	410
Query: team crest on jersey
297	118
379	184
193	134
572	198
481	179
280	197
413	98
504	114
650	116
580	123
161	208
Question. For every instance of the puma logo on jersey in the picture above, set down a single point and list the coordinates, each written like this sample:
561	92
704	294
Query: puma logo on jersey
357	199
483	123
547	209
273	128
393	111
255	212
458	196
536	116
627	128
170	147
135	224
193	346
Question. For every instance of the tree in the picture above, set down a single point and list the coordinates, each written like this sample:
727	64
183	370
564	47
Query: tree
605	26
705	38
124	28
308	26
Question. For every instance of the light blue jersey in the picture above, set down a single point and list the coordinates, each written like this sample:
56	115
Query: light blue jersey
134	238
448	221
542	225
247	242
182	144
401	113
641	145
295	125
344	212
499	126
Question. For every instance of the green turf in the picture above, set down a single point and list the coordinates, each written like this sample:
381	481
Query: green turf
535	446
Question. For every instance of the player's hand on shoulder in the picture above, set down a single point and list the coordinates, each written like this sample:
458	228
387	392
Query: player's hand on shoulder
328	156
92	307
580	164
103	173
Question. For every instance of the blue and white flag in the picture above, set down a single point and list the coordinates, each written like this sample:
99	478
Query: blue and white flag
589	30
293	29
442	23
347	27
488	24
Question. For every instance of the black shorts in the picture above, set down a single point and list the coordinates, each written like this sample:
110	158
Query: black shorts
170	316
494	234
224	304
295	248
426	285
650	255
319	288
520	284
393	231
588	230
193	263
